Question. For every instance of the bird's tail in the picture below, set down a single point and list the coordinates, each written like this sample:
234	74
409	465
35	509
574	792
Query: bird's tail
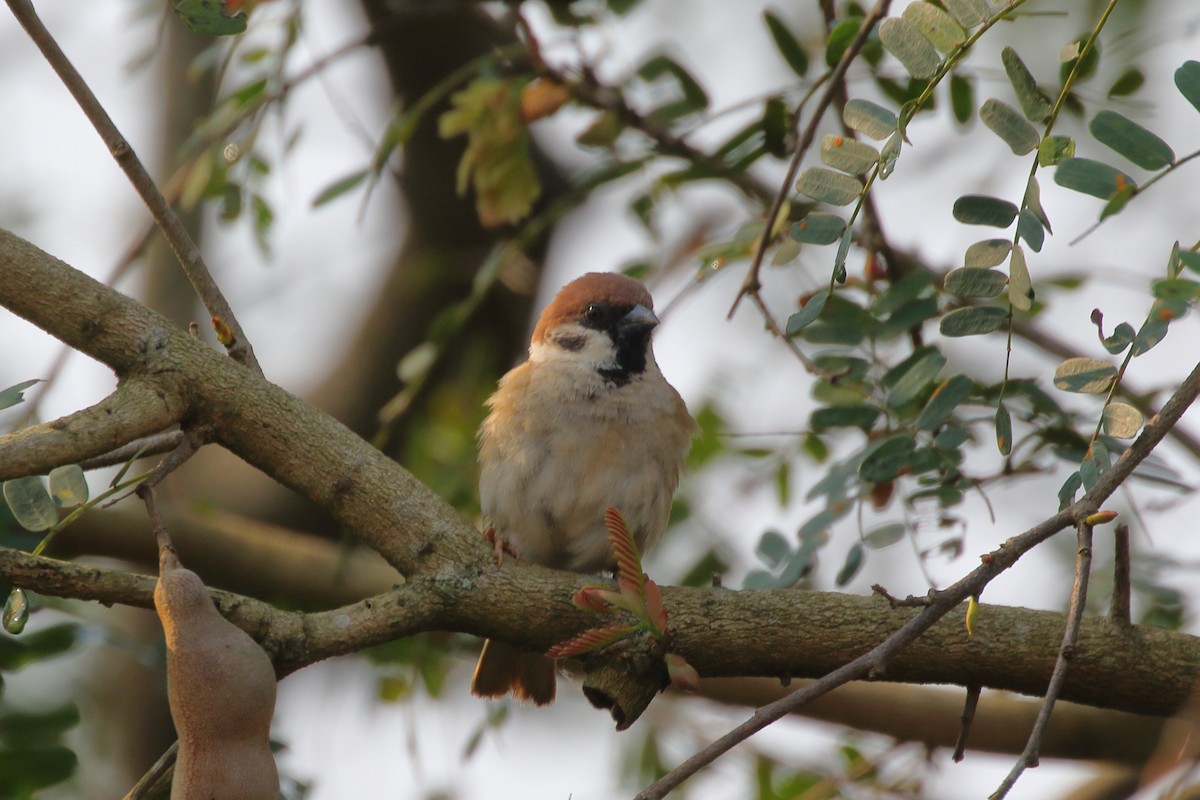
503	668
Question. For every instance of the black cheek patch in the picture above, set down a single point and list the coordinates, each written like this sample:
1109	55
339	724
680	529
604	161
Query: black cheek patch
570	342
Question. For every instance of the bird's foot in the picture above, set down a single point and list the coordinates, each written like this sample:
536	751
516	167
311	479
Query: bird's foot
501	546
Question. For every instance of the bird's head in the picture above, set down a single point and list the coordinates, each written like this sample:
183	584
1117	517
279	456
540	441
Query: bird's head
603	320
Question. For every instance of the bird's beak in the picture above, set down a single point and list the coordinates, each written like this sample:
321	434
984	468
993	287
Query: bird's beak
639	320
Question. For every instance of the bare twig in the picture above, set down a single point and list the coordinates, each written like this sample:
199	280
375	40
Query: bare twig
148	784
968	716
941	603
1119	613
168	221
751	285
1083	567
602	98
153	445
895	602
137	408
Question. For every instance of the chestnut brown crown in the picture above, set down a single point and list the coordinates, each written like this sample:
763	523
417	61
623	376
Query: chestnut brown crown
606	288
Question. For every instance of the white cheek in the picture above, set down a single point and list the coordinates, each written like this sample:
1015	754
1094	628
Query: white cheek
597	351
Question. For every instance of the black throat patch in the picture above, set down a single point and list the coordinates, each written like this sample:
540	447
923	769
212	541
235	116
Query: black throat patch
631	356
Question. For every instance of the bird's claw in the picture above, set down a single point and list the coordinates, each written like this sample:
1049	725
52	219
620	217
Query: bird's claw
500	546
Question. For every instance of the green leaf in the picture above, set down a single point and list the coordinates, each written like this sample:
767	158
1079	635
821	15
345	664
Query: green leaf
1004	436
1122	420
888	459
975	282
972	321
858	416
808	314
1091	177
16	393
1116	204
869	119
1084	375
819	227
37	728
692	97
30	504
1122	337
908	379
978	209
208	17
935	25
1094	464
854	560
775	120
1007	123
902	39
900	293
945	398
68	486
1020	288
773	549
1033	203
885	535
1131	140
828	186
1066	494
840	37
1187	80
907	317
1055	149
969	13
787	44
1153	330
1035	105
987	253
1030	230
1186	258
23	769
848	155
340	187
1129	82
962	97
37	646
890	154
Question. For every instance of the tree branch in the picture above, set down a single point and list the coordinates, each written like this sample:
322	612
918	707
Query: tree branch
137	408
931	716
1135	669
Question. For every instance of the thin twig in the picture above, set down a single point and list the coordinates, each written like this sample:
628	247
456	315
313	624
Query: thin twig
167	220
1119	613
779	333
1083	568
588	91
154	445
941	603
751	284
968	716
147	785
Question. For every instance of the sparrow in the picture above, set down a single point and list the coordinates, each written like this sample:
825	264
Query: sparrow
587	422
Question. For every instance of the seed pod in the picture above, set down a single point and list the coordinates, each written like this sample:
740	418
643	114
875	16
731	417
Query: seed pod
221	688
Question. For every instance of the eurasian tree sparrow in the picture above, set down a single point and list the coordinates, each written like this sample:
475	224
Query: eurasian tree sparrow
586	423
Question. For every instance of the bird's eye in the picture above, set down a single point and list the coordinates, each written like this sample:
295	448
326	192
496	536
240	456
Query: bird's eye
594	312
